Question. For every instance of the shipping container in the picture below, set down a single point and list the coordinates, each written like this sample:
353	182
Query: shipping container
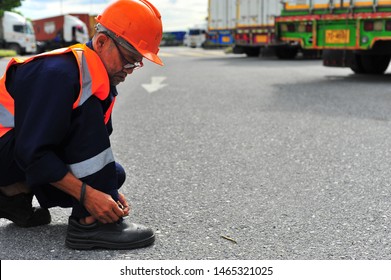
221	23
90	22
60	31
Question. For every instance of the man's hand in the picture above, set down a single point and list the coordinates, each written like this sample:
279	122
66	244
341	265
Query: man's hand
99	204
102	207
123	204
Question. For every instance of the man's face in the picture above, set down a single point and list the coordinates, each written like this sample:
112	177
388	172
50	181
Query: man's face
120	63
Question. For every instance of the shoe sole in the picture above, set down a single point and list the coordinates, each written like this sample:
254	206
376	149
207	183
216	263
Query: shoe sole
82	244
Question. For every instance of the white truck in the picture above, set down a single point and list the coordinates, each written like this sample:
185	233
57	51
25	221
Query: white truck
17	33
196	36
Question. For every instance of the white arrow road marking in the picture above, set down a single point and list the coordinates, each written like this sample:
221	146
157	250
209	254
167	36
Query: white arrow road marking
155	85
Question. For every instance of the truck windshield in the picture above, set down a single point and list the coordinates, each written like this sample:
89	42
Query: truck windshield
29	29
196	32
25	29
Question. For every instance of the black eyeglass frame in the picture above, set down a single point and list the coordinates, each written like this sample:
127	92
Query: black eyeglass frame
128	65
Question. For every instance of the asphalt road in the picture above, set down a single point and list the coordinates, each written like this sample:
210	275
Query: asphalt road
244	158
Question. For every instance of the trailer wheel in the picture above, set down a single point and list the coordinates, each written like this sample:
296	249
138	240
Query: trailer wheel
374	64
356	65
252	52
16	48
286	52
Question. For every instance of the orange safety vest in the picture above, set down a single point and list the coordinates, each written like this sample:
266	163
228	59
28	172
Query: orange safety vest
93	81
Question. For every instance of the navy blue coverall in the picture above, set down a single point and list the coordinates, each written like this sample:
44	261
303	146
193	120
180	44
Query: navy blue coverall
49	135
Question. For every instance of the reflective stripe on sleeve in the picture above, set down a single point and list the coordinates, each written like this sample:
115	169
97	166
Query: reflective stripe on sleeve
86	82
6	118
92	165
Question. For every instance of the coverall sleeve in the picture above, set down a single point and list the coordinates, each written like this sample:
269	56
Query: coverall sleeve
44	91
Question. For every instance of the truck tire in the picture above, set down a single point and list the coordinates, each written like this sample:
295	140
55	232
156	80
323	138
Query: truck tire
374	64
286	52
16	48
252	52
356	65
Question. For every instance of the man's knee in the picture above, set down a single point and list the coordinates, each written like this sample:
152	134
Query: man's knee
121	175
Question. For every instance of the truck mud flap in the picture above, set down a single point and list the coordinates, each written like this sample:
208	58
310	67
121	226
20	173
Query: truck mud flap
338	58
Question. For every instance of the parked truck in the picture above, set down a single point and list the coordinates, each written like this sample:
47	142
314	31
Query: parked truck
255	25
60	31
351	33
196	36
221	23
16	33
173	38
90	22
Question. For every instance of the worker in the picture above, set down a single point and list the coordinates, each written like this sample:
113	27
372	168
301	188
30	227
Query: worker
55	122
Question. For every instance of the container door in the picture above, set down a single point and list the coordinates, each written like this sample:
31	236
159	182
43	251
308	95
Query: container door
231	14
213	11
249	13
270	9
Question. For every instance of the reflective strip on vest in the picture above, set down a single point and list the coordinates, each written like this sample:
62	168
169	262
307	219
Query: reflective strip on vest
99	87
86	91
6	118
86	83
92	165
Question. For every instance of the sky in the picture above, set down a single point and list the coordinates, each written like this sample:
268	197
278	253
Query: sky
176	14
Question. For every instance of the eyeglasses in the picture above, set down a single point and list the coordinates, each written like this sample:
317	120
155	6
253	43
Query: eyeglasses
128	65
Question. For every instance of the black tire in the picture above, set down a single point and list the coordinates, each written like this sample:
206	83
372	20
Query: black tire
286	52
374	64
356	65
252	52
16	48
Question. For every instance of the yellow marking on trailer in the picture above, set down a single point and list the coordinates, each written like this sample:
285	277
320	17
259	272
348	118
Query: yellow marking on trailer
384	3
345	5
363	4
338	36
297	7
261	38
321	6
226	39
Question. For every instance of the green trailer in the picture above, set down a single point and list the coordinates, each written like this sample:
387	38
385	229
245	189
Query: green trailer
350	33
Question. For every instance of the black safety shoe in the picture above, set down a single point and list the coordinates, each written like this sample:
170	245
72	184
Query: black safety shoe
120	235
19	209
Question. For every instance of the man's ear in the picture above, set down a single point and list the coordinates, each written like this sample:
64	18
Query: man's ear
101	42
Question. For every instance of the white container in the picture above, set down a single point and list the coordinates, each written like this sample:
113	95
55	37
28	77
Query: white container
222	14
256	13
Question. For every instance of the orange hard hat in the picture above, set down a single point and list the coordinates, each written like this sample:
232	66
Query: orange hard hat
137	22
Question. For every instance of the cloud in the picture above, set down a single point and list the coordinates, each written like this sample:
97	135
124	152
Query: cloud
176	14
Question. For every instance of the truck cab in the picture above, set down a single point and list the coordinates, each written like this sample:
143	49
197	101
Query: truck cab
197	37
18	33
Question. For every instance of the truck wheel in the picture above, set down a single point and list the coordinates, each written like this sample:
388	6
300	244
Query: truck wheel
356	65
252	52
16	48
374	64
286	52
